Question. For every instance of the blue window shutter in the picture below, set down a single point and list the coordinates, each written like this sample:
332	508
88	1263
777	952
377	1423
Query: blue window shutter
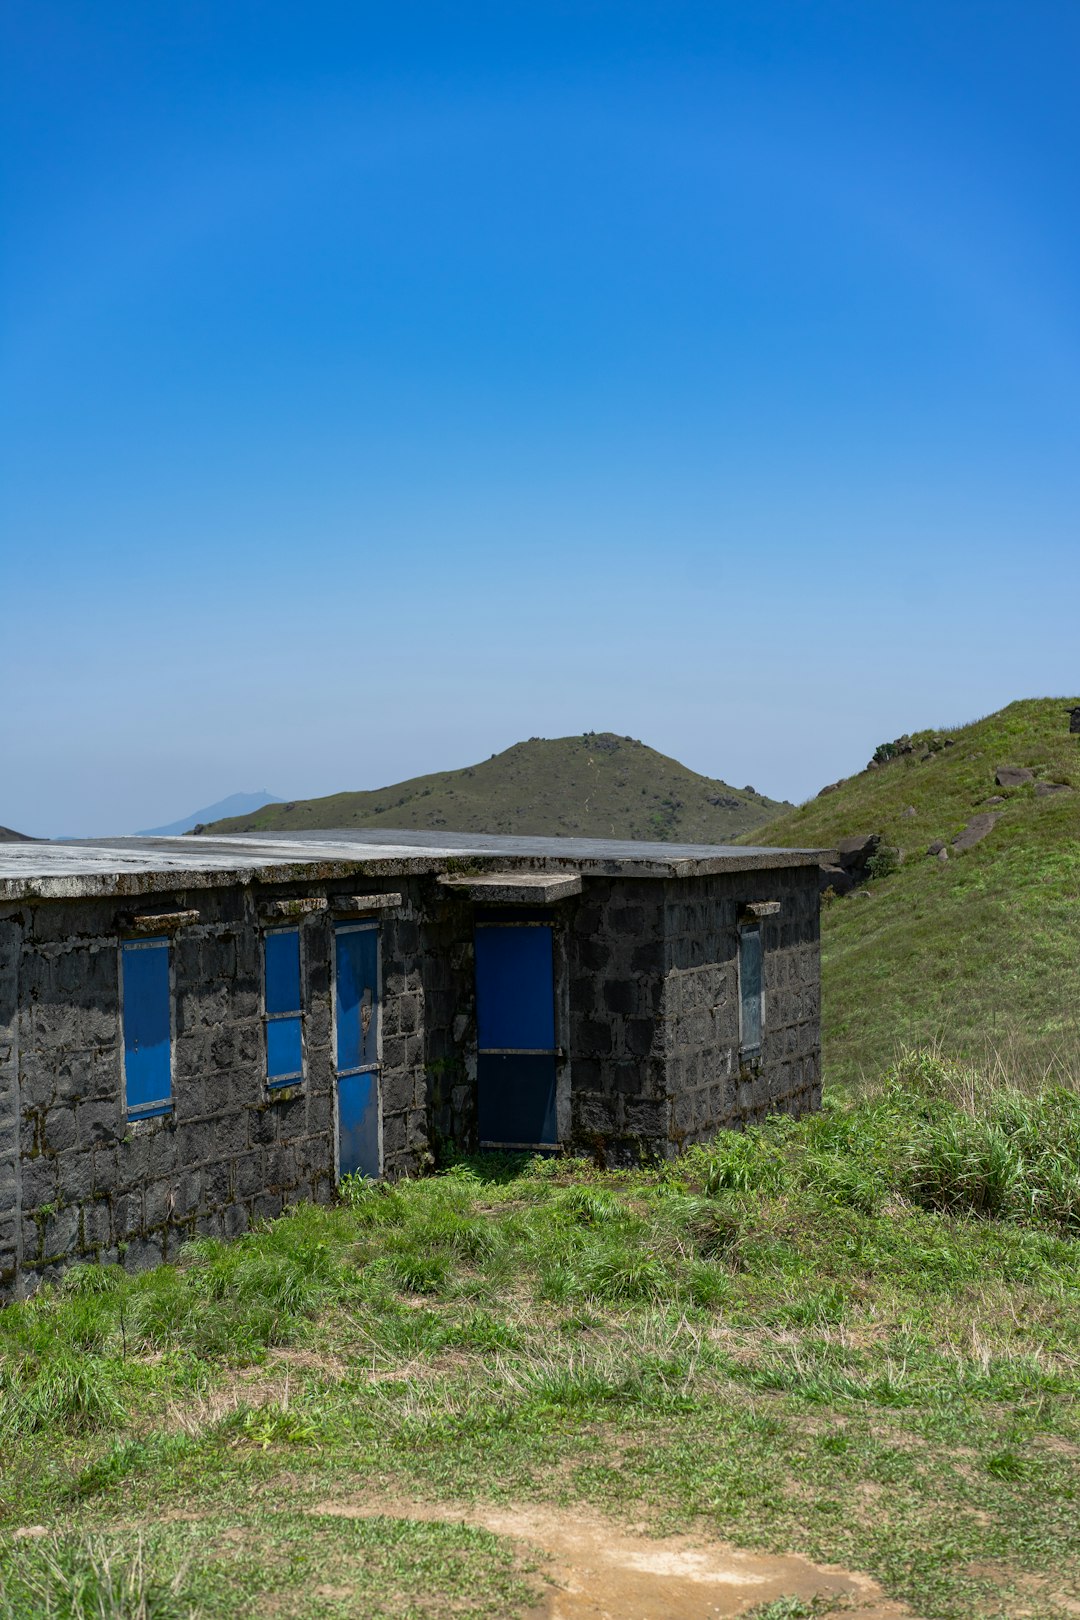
284	1049
282	958
281	994
147	1017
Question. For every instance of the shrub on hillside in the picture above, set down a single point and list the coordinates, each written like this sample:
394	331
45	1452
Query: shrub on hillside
883	862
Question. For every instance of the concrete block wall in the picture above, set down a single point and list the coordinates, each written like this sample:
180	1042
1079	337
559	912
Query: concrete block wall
10	953
619	1098
656	1059
80	1181
404	1084
450	1022
711	1083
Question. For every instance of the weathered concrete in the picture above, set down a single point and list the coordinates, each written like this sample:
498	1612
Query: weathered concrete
135	866
516	888
647	1014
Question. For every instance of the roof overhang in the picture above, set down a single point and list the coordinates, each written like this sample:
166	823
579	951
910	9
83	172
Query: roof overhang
127	867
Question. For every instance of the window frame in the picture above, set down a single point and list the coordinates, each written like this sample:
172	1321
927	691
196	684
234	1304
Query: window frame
299	1076
156	1108
751	1049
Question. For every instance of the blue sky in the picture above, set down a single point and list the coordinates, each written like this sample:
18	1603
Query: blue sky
385	384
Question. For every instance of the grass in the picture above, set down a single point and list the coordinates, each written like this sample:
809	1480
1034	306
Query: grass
855	1337
597	785
979	953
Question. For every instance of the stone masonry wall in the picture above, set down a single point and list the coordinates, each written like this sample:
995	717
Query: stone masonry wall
10	952
711	1085
88	1184
656	1062
450	1022
618	1076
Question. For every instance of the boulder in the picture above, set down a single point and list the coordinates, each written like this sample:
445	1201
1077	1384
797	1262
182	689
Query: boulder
975	831
832	787
1074	719
936	847
910	811
854	853
836	879
1045	790
943	854
1013	775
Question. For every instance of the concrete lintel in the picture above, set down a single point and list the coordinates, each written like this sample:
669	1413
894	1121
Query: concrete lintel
158	922
282	910
351	904
515	888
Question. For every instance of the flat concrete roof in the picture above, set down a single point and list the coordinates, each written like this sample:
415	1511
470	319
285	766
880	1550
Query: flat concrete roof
132	866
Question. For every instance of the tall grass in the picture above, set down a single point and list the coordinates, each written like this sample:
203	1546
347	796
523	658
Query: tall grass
946	1136
82	1577
74	1356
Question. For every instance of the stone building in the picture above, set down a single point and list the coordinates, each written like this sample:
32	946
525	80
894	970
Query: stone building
196	1032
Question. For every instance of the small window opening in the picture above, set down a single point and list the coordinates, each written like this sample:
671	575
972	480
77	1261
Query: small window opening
284	1020
751	991
146	1003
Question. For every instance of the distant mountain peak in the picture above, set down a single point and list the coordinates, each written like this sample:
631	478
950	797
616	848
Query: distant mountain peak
594	784
237	804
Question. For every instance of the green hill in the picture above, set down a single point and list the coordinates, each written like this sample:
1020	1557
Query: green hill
597	785
979	950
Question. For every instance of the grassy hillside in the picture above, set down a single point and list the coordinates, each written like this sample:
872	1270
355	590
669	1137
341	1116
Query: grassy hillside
848	1338
982	949
597	785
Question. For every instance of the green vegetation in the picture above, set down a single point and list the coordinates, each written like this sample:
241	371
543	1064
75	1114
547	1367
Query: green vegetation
855	1336
975	953
597	786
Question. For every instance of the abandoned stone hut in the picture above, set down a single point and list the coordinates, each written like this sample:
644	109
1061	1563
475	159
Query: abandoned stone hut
196	1032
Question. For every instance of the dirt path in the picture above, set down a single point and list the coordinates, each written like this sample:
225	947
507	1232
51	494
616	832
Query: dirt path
596	1571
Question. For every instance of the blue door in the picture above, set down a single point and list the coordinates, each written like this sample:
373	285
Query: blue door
515	1017
356	1048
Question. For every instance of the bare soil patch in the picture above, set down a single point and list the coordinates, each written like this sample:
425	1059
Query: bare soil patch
595	1570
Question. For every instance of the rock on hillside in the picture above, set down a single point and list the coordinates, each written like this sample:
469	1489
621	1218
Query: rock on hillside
597	785
963	923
